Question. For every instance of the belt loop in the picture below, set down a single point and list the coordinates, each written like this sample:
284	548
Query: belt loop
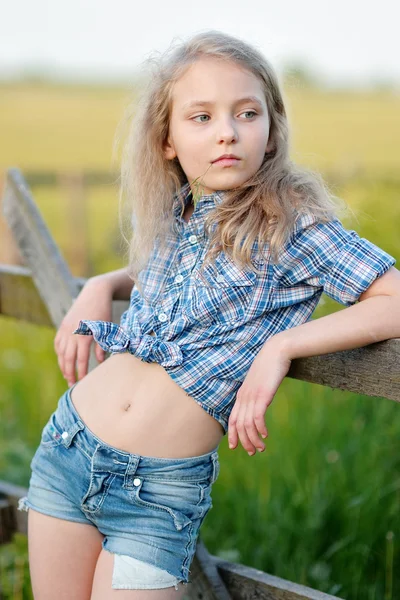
69	434
131	469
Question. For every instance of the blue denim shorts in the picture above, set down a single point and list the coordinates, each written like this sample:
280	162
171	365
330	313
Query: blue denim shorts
149	509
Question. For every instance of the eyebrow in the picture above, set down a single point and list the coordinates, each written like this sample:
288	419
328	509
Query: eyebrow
195	103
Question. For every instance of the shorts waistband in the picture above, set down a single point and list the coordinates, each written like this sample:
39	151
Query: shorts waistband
186	468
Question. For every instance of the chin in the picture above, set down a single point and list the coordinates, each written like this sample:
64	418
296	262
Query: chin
228	185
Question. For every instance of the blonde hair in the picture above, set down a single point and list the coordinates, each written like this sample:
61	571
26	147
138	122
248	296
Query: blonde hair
264	208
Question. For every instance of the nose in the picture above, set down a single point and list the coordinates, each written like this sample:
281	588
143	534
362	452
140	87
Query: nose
227	132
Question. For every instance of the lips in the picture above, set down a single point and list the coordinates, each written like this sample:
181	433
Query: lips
226	156
226	162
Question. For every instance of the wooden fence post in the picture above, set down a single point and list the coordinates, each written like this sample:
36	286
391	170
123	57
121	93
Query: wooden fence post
9	252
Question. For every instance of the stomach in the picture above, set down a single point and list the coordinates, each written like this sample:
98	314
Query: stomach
135	406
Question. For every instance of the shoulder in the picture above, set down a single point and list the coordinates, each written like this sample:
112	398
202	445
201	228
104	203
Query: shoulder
310	234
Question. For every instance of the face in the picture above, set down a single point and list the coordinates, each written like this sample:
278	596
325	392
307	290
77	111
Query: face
218	108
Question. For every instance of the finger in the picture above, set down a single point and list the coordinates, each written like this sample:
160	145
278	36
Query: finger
232	426
250	427
61	354
244	439
69	361
259	418
82	356
232	423
100	353
59	338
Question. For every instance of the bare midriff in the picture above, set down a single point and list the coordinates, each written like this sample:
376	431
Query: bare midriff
137	407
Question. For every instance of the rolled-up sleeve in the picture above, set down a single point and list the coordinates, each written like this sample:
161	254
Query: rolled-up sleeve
330	258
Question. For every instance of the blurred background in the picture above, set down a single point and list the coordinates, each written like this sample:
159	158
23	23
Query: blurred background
321	505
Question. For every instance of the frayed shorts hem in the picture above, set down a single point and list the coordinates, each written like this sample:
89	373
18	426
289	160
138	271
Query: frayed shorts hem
124	566
148	508
25	505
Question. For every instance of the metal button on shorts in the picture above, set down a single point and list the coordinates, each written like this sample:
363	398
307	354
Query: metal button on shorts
148	508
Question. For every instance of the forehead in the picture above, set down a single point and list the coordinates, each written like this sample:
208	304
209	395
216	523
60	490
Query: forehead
215	80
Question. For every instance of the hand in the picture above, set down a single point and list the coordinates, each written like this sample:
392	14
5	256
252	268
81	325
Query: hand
95	303
247	418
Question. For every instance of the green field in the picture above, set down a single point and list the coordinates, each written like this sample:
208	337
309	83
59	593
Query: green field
321	506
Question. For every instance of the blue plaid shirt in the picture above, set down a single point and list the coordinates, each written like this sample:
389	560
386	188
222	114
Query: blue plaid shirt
210	325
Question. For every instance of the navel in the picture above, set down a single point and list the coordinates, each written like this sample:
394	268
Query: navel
127	407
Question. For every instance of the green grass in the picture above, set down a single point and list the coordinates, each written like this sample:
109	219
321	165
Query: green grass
315	508
321	506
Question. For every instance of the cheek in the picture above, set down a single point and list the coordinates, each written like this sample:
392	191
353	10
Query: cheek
191	147
185	139
260	136
190	157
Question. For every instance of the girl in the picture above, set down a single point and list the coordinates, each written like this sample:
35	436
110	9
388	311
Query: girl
232	247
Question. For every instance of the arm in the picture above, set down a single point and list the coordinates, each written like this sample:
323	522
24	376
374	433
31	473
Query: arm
93	302
375	318
319	257
117	283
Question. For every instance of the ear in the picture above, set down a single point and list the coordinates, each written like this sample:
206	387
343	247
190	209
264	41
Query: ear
270	145
169	149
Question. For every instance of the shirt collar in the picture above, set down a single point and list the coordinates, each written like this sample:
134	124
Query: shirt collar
207	200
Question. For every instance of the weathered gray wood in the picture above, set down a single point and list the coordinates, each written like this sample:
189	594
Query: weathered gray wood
212	578
11	494
51	274
7	525
373	370
206	583
20	299
9	252
53	280
55	289
246	583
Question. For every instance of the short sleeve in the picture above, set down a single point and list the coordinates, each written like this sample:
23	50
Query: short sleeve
330	258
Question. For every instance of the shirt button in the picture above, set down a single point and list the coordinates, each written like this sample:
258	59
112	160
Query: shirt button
64	435
193	239
136	481
179	278
220	278
162	317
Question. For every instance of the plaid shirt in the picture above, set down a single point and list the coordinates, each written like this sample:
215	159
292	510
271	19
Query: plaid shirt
209	326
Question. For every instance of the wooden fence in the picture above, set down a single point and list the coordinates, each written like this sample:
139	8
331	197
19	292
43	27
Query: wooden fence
73	188
42	292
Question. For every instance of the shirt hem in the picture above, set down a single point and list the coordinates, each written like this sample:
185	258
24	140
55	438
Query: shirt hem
217	416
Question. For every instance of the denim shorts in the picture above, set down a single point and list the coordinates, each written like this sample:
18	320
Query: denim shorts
149	509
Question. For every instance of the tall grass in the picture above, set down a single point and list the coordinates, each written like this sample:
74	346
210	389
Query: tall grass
321	505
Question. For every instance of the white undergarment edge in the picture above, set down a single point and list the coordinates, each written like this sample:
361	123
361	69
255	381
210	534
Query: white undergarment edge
132	574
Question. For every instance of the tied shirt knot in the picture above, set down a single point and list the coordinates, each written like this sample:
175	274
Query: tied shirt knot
113	338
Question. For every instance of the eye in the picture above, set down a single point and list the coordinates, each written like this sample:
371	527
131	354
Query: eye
194	118
250	112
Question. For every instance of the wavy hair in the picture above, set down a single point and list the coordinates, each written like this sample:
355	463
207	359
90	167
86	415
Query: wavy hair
264	208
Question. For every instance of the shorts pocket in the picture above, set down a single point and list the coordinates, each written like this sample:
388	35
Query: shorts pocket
51	433
185	502
54	434
99	485
221	292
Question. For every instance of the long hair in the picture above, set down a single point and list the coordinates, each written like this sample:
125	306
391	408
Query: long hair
264	208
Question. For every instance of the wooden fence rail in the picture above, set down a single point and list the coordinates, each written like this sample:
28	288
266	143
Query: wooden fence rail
42	291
